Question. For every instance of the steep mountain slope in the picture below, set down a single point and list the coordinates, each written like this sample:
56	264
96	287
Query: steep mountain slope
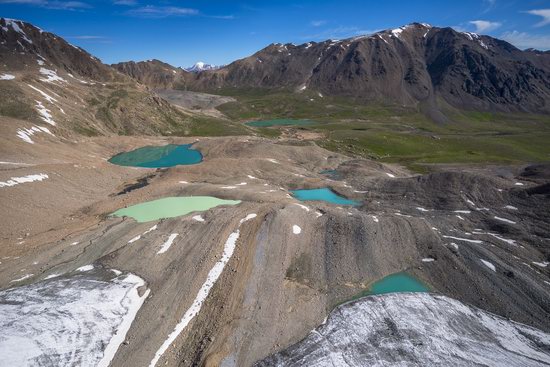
51	89
407	65
154	73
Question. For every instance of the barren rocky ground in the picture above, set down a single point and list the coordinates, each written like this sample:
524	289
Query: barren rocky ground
479	236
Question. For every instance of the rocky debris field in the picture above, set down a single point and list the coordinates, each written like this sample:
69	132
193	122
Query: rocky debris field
236	284
403	328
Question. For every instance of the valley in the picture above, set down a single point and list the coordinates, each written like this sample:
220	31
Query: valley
155	216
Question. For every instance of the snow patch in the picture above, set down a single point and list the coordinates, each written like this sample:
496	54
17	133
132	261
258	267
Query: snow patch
27	276
51	76
45	95
44	113
510	207
24	179
166	246
489	265
212	277
504	220
462	239
390	175
7	77
303	207
16	27
296	229
198	218
85	268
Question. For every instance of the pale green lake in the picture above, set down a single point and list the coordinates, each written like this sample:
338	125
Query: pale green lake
171	207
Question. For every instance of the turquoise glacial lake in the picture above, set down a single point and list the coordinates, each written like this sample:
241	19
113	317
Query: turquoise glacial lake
280	122
158	157
322	194
398	282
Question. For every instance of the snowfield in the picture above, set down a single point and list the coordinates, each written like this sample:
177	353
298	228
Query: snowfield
75	321
25	134
211	279
166	245
50	76
416	329
25	179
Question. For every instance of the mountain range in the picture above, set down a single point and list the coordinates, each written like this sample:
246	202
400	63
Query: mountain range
428	68
57	87
411	65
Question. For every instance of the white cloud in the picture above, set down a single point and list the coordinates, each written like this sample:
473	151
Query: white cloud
544	13
489	4
222	16
90	39
86	37
318	23
485	25
338	33
153	11
125	2
55	4
525	40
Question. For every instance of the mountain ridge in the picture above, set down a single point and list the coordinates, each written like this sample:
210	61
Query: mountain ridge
54	89
410	65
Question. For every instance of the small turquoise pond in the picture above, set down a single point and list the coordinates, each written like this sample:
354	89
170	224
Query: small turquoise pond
394	283
398	282
279	122
158	157
322	194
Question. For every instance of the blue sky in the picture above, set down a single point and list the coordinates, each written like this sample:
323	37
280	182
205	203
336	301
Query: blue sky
218	32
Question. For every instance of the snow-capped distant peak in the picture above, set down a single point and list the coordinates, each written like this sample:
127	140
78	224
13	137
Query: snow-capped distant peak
201	66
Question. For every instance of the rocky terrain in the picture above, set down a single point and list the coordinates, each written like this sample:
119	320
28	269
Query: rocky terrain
479	237
410	65
406	329
246	282
53	90
154	73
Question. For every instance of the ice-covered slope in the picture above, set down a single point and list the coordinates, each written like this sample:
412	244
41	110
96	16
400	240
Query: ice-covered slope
68	321
416	329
